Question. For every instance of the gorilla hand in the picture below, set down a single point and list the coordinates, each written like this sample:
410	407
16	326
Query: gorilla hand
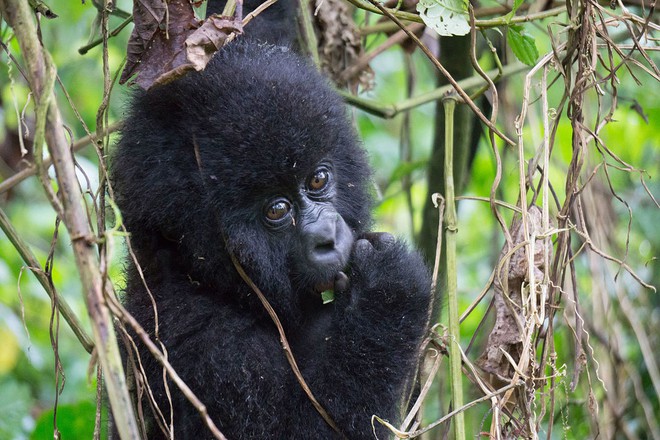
387	278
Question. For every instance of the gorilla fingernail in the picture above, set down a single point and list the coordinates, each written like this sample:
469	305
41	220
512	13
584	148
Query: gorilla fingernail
341	282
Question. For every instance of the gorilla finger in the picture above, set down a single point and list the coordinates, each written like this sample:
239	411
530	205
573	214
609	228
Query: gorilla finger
362	248
380	240
341	282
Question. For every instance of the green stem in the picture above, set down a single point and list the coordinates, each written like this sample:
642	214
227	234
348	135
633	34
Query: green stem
86	48
309	35
505	21
389	111
481	24
230	8
451	229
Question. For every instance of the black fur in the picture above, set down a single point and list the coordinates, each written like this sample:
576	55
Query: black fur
276	25
196	162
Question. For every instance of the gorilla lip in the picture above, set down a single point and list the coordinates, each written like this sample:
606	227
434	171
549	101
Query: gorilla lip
322	287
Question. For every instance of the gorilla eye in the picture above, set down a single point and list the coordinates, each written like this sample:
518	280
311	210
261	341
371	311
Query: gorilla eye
319	180
278	210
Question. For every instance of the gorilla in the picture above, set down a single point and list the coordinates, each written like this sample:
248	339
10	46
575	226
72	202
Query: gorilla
254	159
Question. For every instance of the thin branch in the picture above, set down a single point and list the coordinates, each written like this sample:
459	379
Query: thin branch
86	48
389	111
126	317
17	178
464	96
482	24
285	346
465	407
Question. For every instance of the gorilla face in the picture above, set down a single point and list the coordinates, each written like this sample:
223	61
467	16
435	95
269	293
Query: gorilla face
294	239
323	238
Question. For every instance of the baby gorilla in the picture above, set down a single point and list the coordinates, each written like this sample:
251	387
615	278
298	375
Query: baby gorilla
255	158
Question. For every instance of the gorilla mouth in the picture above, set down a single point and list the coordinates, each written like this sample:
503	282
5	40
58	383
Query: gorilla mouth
327	257
324	265
322	287
326	244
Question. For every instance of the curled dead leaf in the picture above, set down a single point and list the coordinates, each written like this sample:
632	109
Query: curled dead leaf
339	42
203	43
507	335
168	41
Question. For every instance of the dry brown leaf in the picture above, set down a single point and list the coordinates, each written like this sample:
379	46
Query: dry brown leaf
202	44
168	41
339	41
506	335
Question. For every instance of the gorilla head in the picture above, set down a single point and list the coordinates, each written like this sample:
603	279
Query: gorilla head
282	186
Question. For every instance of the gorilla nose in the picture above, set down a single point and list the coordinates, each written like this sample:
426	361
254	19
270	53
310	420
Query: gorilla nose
323	243
328	241
321	236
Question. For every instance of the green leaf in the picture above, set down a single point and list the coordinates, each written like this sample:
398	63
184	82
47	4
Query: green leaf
514	8
328	296
522	45
446	17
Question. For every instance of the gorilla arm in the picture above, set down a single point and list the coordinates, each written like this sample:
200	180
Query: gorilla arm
365	351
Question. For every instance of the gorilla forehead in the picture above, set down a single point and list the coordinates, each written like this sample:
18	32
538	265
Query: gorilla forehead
266	120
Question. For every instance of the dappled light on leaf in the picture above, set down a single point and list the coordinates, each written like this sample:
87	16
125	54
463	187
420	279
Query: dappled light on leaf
446	17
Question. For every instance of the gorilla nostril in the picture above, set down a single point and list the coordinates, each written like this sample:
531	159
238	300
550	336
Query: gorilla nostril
326	246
